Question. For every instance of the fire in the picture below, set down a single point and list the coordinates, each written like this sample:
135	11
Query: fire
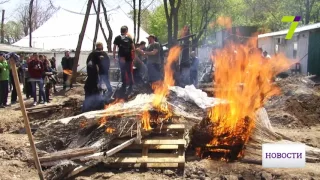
103	120
161	89
145	118
68	72
244	79
110	130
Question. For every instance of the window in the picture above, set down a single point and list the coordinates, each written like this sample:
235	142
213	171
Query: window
295	50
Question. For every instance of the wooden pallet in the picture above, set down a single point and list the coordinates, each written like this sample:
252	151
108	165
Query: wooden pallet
44	108
163	148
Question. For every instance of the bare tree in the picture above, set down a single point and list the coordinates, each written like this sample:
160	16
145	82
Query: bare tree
109	42
97	24
132	3
40	14
30	22
100	24
172	19
4	1
81	36
139	21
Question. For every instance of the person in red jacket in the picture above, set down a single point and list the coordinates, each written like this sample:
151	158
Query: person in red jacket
36	71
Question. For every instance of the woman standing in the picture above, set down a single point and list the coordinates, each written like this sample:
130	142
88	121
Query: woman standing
36	71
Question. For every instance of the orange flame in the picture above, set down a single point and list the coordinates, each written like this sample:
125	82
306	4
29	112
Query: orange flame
244	79
146	120
103	120
161	89
109	130
67	71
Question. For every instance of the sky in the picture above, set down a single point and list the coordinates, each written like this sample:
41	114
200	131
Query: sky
72	5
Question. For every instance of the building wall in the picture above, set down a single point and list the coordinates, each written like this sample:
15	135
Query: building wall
267	44
287	47
303	44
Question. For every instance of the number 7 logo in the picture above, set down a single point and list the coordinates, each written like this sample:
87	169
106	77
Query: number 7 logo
294	23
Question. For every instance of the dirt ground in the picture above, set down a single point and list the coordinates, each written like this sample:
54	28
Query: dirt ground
294	113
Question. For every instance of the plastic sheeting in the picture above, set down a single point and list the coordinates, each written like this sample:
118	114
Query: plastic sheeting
197	96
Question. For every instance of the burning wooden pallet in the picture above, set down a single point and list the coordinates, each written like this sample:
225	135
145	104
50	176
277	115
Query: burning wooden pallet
164	147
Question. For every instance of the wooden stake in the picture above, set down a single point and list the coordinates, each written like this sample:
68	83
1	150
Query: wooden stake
25	117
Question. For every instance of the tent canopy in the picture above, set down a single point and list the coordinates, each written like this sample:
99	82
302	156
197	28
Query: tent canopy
62	30
17	49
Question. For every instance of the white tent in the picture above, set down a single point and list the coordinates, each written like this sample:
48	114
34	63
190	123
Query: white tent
62	30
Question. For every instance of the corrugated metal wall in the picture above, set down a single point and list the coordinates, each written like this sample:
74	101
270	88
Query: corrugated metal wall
303	42
287	47
314	53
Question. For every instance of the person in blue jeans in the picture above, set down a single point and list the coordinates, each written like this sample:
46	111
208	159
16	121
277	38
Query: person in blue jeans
194	69
36	71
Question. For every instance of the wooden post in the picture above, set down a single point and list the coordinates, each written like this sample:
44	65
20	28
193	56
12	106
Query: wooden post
81	35
25	117
2	28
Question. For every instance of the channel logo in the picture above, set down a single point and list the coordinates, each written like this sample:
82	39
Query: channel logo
276	155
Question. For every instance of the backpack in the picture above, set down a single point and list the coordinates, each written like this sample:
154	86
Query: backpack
125	44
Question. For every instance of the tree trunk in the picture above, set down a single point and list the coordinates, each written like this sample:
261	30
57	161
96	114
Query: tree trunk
109	43
139	21
97	24
169	22
191	17
175	15
307	11
134	20
2	24
81	35
30	22
100	24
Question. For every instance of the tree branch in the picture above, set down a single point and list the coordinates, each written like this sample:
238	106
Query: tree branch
129	3
4	1
147	6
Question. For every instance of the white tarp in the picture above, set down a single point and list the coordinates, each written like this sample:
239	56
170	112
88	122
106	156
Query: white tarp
197	96
62	30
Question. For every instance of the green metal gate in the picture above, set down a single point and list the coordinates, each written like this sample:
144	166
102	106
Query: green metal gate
314	53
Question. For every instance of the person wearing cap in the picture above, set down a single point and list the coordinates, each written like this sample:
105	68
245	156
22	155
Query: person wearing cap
4	79
126	53
154	60
67	65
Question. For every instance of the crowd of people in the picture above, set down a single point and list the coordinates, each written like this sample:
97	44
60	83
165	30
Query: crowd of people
34	71
138	63
135	60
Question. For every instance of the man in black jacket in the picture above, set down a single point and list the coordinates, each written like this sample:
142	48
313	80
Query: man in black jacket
98	64
67	64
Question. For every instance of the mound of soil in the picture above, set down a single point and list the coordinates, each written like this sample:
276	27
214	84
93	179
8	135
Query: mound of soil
304	107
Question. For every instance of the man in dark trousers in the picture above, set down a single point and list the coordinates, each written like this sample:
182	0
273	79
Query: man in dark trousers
126	53
98	64
54	69
67	64
154	60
